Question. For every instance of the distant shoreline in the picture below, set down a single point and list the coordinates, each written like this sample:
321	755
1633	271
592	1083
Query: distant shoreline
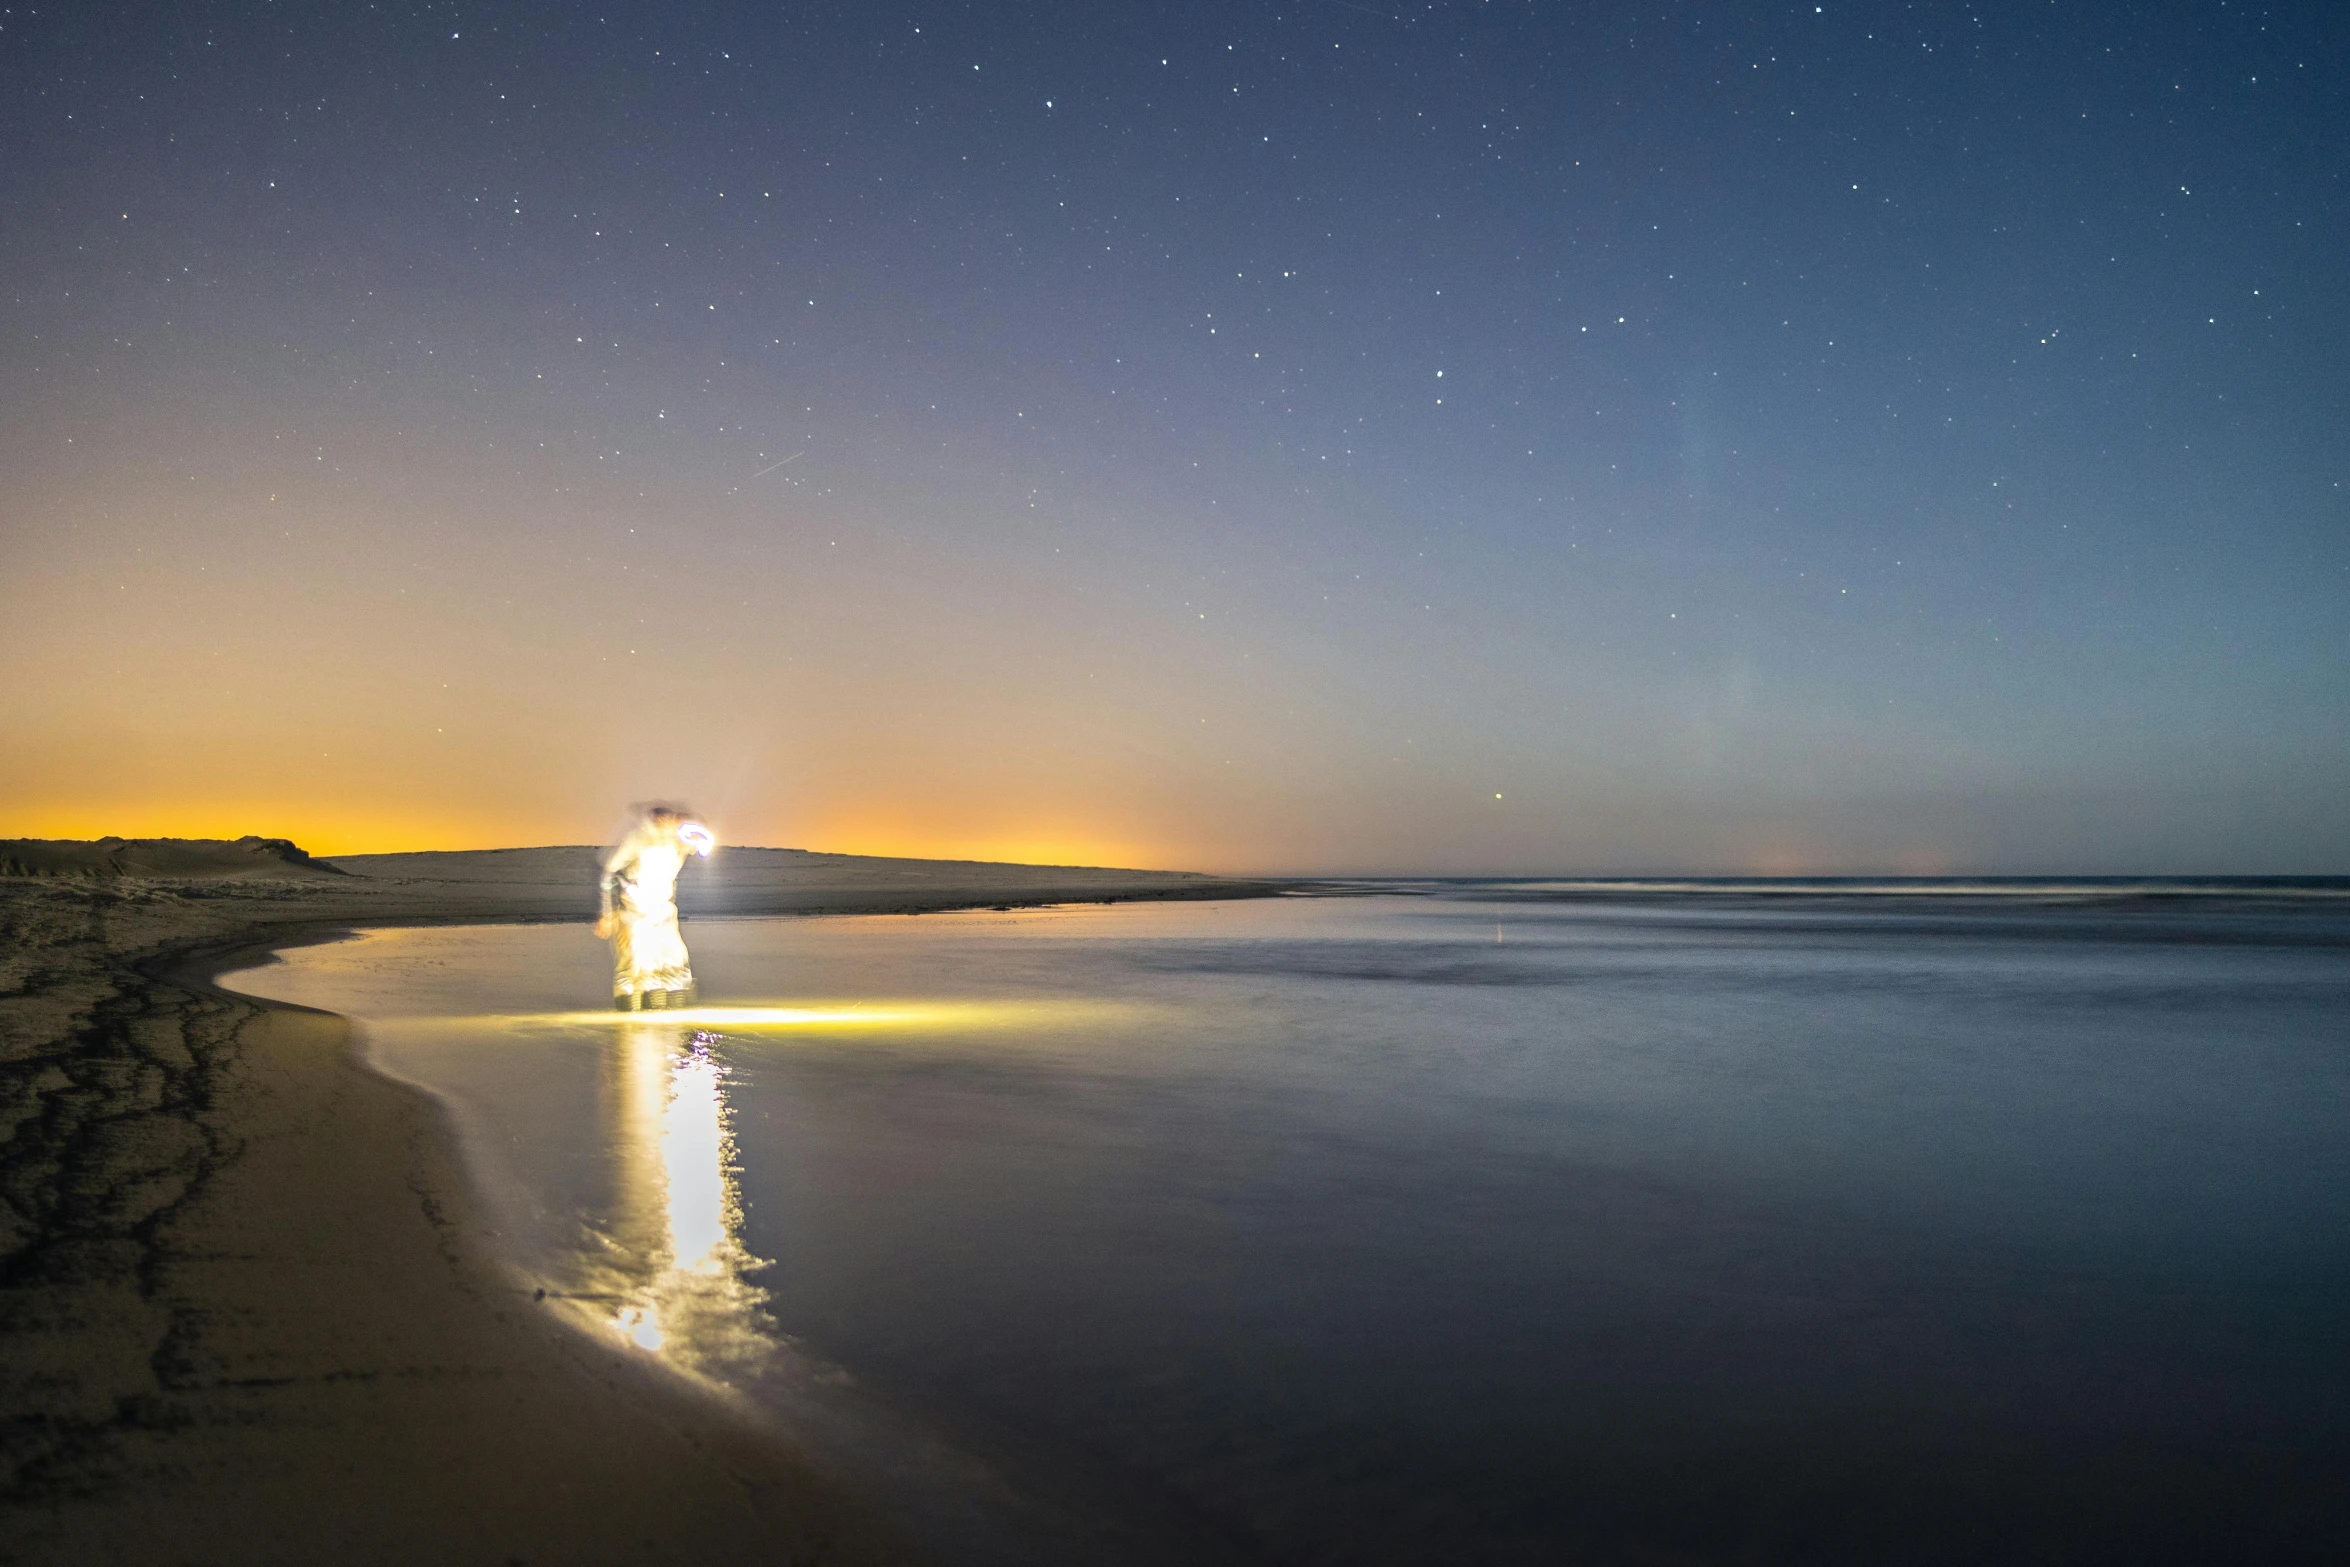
1879	886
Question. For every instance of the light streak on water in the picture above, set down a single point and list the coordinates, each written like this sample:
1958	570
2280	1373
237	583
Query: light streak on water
939	1015
675	1262
693	1156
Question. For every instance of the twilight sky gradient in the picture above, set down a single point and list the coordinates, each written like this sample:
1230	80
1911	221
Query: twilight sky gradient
1456	437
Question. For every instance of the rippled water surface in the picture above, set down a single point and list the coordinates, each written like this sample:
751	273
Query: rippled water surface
1491	1222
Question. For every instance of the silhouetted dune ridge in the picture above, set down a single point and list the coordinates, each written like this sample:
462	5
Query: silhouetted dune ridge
107	858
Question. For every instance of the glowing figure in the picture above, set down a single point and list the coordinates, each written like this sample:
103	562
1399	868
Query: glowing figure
649	967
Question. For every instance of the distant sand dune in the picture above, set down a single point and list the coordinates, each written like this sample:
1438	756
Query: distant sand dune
108	858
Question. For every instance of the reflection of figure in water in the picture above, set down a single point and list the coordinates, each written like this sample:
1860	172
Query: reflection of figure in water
649	966
673	1265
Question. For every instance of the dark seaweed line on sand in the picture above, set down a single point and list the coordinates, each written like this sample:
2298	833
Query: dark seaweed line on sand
123	1133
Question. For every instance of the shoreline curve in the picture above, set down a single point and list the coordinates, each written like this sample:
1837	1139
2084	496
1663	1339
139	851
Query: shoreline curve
249	1308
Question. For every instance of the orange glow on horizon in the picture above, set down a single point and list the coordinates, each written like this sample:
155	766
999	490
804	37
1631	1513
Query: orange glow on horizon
1025	849
328	834
1011	834
321	833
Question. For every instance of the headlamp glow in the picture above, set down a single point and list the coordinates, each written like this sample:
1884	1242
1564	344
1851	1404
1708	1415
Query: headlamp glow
697	838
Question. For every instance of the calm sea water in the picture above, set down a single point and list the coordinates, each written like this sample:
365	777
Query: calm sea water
1463	1222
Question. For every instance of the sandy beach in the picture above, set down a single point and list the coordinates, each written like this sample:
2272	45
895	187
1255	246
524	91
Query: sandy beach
248	1312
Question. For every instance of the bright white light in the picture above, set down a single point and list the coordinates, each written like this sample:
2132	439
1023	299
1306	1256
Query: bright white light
693	1154
903	1014
639	1327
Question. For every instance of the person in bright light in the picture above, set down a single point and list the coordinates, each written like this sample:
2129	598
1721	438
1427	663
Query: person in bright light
639	885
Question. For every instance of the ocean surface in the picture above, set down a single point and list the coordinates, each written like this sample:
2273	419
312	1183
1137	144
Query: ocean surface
1463	1222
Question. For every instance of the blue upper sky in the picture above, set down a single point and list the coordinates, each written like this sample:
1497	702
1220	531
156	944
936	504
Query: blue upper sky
1483	437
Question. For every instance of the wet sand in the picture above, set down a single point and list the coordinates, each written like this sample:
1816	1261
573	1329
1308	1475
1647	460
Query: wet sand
248	1311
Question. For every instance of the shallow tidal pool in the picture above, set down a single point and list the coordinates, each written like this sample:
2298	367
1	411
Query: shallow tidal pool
1458	1221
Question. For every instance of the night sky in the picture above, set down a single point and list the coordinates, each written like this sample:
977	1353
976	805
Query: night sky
1460	437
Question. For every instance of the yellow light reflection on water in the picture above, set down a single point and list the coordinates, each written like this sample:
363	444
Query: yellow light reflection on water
912	1015
759	1017
675	1260
666	1268
693	1151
